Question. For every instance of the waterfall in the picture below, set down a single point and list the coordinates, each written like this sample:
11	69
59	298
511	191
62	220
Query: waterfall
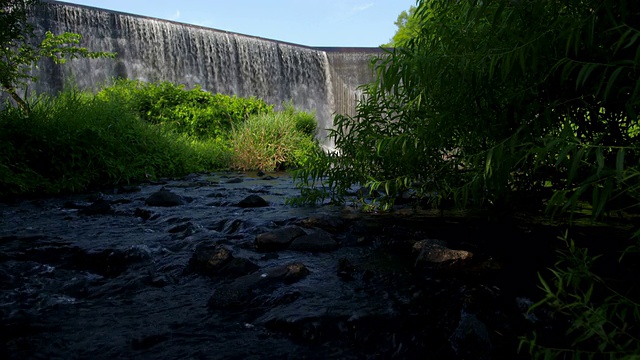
150	49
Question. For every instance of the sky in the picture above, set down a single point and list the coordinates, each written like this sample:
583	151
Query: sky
339	23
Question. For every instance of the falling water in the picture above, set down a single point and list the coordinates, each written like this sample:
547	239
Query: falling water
150	49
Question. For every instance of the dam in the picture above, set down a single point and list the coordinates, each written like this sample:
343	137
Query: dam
322	80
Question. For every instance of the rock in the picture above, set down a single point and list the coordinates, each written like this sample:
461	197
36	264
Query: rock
98	207
278	239
329	223
217	260
345	269
144	214
209	259
252	201
318	241
245	288
434	253
234	181
261	173
164	198
471	340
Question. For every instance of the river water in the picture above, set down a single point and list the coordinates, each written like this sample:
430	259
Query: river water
122	282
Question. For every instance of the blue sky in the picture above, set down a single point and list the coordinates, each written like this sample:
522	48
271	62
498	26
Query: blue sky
367	23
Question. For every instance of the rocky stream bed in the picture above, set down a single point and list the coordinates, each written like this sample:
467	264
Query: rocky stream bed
217	266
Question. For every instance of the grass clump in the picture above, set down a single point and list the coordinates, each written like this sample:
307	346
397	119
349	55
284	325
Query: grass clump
271	142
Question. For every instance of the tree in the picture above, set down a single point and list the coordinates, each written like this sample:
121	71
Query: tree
498	103
408	25
20	51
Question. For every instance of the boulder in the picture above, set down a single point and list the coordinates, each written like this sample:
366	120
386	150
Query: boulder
330	223
252	201
98	207
471	340
318	241
164	198
242	290
435	253
217	260
278	239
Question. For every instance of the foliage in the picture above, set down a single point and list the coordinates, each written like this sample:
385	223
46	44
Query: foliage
603	321
509	106
408	26
75	141
19	51
194	112
271	141
305	122
485	103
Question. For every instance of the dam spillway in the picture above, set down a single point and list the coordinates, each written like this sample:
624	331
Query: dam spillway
323	80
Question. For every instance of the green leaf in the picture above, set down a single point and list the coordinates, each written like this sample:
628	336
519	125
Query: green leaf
620	165
611	82
600	160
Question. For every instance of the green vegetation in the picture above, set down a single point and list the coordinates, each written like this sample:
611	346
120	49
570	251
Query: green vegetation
129	131
271	141
20	51
511	106
195	112
132	131
408	26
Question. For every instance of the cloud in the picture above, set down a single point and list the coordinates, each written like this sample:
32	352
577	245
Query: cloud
176	16
359	8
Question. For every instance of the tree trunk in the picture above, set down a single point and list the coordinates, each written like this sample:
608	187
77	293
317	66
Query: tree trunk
14	95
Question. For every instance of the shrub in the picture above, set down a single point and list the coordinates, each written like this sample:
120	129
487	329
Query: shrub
74	142
194	112
305	122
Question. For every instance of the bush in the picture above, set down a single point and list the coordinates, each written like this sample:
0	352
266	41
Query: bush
194	112
305	122
76	141
270	142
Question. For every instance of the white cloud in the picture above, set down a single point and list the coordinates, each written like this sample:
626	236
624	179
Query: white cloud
359	8
176	16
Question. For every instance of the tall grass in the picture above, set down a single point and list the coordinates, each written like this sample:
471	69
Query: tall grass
132	131
75	141
270	142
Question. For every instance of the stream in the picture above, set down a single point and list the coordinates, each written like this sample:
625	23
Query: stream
217	266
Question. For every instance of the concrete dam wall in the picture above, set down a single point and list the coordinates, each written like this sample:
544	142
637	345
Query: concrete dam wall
323	80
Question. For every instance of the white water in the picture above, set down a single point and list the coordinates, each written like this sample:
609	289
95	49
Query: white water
220	62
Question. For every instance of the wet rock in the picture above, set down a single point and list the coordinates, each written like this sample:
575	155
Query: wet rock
144	214
345	269
164	198
278	239
317	241
471	340
187	228
217	260
435	254
108	262
98	207
209	259
329	223
234	181
261	173
242	290
252	201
